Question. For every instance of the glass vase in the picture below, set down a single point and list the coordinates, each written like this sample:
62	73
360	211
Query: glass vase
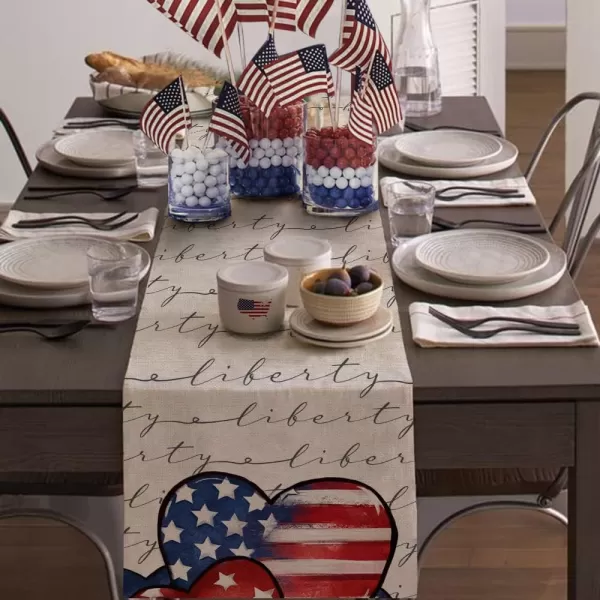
340	170
277	154
199	189
415	60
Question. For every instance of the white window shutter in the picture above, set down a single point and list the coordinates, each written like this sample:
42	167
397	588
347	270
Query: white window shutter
455	26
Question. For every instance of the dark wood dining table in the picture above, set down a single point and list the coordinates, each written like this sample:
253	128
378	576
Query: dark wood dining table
61	403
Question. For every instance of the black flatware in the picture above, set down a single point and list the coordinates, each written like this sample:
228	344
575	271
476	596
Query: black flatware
104	194
111	225
99	123
473	323
58	332
456	192
504	225
67	217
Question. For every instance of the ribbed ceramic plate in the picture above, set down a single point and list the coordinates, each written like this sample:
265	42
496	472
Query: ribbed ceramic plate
51	160
12	294
392	159
448	148
482	256
98	148
410	272
301	322
52	263
342	345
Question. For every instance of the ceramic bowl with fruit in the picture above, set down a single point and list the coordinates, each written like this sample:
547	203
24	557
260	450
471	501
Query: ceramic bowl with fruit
342	296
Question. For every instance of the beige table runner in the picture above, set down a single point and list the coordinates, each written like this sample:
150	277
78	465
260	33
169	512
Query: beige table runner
259	466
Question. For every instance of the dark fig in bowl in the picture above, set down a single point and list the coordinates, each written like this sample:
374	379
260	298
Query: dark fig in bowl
364	288
359	274
342	275
336	287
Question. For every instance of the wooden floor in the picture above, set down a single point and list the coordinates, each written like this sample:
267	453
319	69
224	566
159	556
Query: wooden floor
501	555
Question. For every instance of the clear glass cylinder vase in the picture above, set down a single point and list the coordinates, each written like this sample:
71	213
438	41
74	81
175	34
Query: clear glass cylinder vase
277	153
415	60
340	170
199	189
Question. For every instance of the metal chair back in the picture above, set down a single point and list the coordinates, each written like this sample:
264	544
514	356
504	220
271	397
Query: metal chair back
16	143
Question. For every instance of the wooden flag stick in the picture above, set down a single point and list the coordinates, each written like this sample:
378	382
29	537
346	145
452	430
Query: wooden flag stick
363	92
225	43
186	113
340	72
242	43
274	17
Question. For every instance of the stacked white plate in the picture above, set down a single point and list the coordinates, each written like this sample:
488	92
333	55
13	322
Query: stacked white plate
49	272
447	154
479	264
97	154
309	331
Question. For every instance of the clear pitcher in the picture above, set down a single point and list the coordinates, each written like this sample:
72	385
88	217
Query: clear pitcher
415	60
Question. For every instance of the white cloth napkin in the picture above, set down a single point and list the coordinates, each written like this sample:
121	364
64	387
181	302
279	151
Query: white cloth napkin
140	230
476	200
430	332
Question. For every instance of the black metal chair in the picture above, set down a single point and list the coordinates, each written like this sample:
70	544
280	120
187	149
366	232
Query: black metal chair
16	143
546	484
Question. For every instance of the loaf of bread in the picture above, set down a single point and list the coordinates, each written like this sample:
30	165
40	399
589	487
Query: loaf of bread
122	70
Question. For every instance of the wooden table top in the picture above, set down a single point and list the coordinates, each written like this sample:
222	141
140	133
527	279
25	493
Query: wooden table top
89	369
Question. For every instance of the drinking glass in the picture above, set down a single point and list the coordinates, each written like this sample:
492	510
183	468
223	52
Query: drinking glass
114	271
151	163
410	208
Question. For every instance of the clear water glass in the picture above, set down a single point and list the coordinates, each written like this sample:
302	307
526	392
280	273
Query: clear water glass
114	271
151	163
410	210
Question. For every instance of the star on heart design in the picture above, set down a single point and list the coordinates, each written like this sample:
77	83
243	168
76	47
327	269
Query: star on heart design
222	536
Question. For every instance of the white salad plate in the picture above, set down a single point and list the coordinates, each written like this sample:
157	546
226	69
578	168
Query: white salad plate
392	159
409	271
448	148
50	263
302	323
12	294
481	256
51	160
98	148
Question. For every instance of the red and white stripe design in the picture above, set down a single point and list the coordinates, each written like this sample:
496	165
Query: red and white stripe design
286	14
252	11
292	82
360	123
338	541
311	14
200	19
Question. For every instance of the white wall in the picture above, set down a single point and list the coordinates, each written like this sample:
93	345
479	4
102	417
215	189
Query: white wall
536	12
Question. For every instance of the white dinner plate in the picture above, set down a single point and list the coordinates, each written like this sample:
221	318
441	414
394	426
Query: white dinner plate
448	148
301	322
51	160
392	159
98	148
482	256
50	263
12	294
342	345
410	272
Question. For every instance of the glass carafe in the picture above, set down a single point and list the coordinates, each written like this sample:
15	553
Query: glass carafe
415	60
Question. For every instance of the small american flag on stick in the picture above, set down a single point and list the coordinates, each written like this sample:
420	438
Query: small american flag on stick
227	121
360	123
253	309
200	19
360	38
311	14
166	115
381	95
286	14
299	74
252	11
253	82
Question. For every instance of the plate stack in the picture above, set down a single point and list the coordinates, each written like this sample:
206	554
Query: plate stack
447	154
94	154
479	264
48	272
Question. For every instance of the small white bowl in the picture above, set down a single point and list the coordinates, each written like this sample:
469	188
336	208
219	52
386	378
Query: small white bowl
339	310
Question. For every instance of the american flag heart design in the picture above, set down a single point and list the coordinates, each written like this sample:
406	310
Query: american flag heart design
229	578
326	538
